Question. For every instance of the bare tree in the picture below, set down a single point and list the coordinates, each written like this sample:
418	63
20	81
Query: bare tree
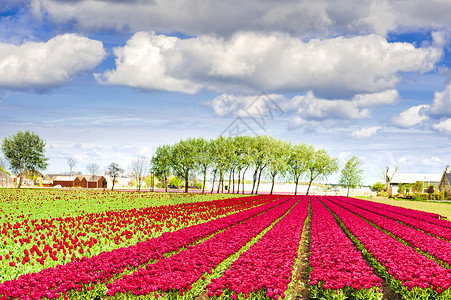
138	169
71	162
93	169
385	176
114	171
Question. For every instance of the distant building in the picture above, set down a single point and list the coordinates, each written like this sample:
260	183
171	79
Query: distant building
409	178
445	181
83	181
6	181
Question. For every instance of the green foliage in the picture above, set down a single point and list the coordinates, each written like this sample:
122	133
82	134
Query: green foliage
183	159
351	174
161	163
319	165
25	153
401	189
418	187
175	181
378	187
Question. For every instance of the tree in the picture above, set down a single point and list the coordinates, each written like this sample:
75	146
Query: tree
388	178
114	171
351	174
430	189
93	169
277	160
184	159
138	169
204	158
297	162
401	189
71	162
25	153
418	187
175	182
378	187
319	165
162	164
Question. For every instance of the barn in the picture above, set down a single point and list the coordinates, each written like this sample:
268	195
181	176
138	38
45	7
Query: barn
67	181
93	182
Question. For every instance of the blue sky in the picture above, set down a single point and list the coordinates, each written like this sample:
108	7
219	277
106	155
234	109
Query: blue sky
103	81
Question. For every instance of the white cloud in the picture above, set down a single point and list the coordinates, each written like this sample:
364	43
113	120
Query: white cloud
307	107
304	18
441	104
253	62
434	160
39	65
366	132
256	105
412	116
443	126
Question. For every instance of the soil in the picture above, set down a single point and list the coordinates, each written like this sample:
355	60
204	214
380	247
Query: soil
301	289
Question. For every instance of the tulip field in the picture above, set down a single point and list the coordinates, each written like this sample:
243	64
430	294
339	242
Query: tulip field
69	244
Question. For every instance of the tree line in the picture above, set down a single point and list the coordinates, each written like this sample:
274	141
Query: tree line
226	159
229	159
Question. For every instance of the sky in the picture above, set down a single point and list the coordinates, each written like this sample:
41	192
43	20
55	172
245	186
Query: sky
107	81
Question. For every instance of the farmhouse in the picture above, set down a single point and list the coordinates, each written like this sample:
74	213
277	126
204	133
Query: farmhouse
84	181
93	182
409	178
445	181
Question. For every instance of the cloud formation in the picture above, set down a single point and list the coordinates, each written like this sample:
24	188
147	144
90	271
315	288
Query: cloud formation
305	18
277	63
44	65
367	132
412	116
443	126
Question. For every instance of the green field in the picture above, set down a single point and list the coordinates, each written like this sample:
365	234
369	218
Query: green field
54	203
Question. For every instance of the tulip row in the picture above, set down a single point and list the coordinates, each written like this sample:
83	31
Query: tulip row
264	271
33	245
86	278
188	271
409	273
437	248
338	269
417	223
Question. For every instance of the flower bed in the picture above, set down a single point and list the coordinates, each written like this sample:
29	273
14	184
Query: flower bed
264	271
178	274
410	274
338	269
87	276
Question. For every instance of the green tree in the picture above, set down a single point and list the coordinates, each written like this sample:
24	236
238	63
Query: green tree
418	187
319	165
204	157
114	171
351	174
25	153
175	182
261	153
297	162
401	189
162	164
184	159
378	187
277	160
